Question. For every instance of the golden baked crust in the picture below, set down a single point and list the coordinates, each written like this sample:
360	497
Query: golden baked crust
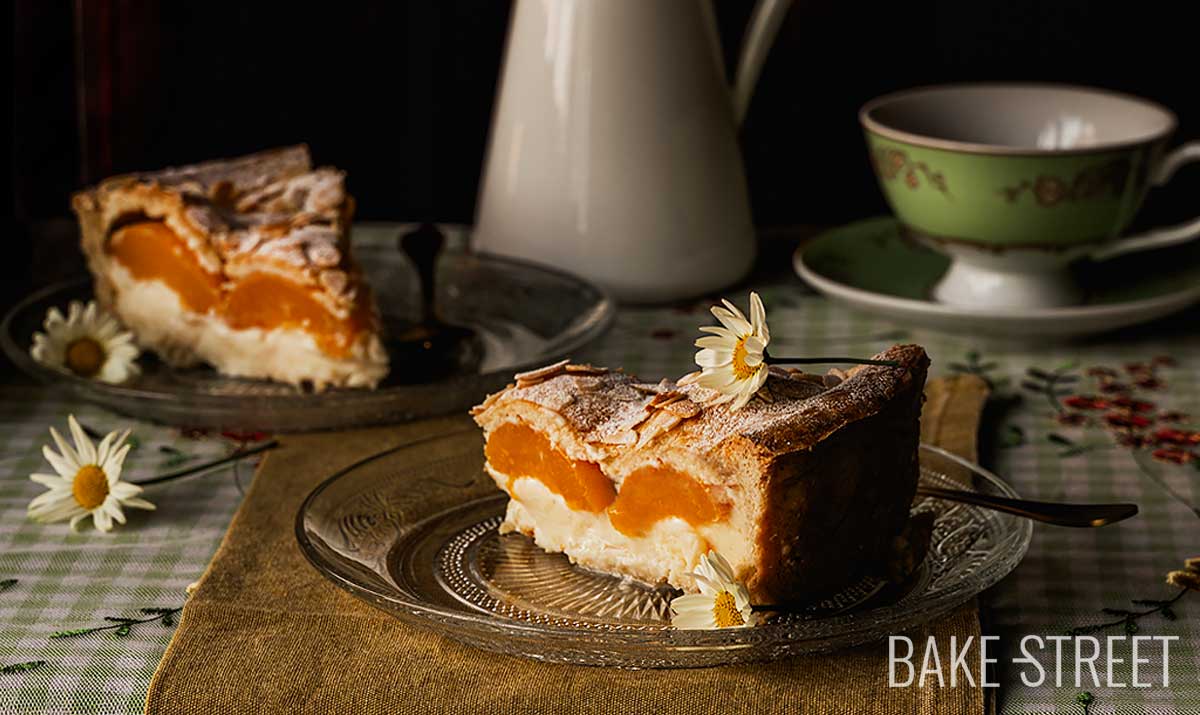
821	469
265	213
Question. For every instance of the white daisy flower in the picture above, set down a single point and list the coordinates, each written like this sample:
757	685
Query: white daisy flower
723	602
731	358
88	482
87	342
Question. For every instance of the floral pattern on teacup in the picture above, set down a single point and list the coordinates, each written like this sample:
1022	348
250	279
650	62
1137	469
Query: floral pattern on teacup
892	163
1104	179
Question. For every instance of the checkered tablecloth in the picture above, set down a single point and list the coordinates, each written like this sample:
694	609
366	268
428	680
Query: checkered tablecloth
67	580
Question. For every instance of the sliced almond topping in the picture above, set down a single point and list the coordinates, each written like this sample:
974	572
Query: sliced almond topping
630	396
666	398
322	254
334	281
587	370
637	421
661	422
306	218
683	409
625	436
205	219
256	198
589	385
835	377
533	377
489	400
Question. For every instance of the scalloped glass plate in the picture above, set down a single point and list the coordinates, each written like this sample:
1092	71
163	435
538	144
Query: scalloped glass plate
526	316
412	531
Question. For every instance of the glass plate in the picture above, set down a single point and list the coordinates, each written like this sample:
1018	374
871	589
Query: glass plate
526	316
413	531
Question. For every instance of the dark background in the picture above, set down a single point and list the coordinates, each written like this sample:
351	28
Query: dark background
400	93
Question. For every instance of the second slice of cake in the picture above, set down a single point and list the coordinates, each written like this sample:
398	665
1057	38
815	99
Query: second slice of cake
244	264
803	490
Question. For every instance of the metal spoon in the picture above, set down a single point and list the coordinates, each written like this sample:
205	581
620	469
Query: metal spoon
1076	515
1079	515
431	348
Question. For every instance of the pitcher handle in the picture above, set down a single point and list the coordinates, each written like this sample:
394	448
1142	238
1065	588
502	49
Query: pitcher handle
764	25
1168	235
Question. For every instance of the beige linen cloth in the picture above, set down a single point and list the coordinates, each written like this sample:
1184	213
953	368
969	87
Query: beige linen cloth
265	633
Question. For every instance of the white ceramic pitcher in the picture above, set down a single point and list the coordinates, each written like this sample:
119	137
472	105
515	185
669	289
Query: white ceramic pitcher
613	150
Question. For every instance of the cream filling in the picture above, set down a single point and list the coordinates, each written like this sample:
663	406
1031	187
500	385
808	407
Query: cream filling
669	552
157	317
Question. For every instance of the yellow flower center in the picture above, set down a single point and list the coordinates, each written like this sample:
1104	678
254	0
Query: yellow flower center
725	611
85	357
90	487
740	369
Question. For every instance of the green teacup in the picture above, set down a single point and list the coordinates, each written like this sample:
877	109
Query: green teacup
1015	181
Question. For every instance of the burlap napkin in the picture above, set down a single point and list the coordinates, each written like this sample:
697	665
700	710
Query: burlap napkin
265	633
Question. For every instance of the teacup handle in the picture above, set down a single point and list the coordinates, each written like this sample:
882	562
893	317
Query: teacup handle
1159	237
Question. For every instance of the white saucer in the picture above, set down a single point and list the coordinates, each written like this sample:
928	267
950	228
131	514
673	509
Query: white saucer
869	265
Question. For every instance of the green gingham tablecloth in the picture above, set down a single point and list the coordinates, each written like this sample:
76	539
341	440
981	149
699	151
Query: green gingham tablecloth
67	580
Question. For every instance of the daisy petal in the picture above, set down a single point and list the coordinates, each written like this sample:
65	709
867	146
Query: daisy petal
709	357
759	379
736	324
740	401
758	318
720	566
721	399
113	372
720	331
717	380
115	462
733	309
113	507
54	318
53	481
103	448
708	586
41	501
692	602
138	503
694	622
83	445
124	490
57	509
69	456
65	468
715	342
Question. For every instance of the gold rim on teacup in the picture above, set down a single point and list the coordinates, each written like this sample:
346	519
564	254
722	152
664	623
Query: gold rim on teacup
867	117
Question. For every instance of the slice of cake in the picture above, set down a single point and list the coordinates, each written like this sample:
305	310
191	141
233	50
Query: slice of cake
243	264
803	490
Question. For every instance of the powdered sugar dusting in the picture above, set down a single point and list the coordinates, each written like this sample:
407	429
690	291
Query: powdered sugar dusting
271	206
318	192
792	410
240	175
